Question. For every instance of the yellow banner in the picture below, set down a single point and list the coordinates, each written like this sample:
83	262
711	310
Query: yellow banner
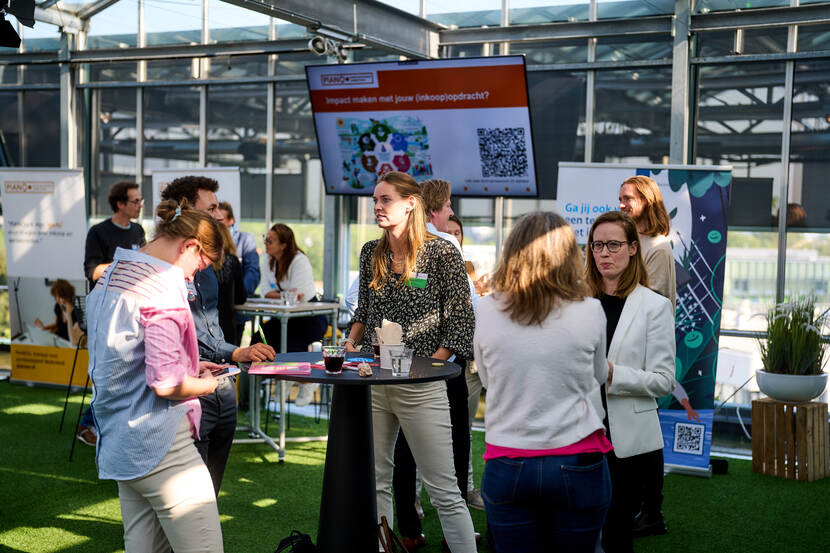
48	364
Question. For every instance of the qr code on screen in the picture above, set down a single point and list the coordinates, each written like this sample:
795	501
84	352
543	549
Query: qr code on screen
688	438
503	152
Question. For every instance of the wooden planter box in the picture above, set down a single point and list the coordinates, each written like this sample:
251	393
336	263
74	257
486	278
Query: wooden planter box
790	440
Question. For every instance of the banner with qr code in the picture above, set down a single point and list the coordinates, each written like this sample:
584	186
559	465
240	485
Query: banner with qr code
464	120
697	200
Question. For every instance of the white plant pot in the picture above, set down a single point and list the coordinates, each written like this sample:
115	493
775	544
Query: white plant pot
791	387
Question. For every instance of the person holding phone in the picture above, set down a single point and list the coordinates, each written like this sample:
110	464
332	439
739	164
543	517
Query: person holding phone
144	364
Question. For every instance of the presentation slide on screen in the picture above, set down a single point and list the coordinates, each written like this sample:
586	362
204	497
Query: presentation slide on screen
463	120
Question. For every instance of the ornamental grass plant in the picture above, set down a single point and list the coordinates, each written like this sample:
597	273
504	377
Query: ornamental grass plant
794	342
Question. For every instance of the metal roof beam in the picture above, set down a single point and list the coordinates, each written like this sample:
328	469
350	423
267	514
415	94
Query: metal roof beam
365	21
63	19
809	14
95	7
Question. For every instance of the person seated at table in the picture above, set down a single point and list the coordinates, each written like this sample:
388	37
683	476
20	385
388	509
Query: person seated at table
540	352
287	268
65	324
144	364
640	330
436	317
231	288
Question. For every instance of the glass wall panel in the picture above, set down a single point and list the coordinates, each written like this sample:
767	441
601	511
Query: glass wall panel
559	51
173	22
41	73
294	63
809	196
298	195
526	12
633	48
41	128
10	125
109	72
813	37
173	69
715	43
113	111
237	122
739	123
171	130
238	67
632	115
617	9
42	38
478	217
229	23
765	41
557	111
706	6
115	27
9	74
488	12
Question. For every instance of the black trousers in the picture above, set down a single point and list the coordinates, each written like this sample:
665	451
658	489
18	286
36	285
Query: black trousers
216	429
403	477
651	492
626	489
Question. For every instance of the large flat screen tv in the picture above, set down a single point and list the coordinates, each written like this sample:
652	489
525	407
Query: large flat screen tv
464	120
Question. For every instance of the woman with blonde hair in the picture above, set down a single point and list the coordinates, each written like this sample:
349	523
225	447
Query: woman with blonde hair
144	364
540	352
418	281
640	330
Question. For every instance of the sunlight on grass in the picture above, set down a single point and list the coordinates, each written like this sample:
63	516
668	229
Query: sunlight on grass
246	481
20	472
225	518
32	409
34	540
103	511
265	502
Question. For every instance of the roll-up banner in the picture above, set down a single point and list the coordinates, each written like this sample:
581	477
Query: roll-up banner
697	199
44	224
227	177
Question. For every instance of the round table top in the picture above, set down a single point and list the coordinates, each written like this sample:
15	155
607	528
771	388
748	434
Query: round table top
421	370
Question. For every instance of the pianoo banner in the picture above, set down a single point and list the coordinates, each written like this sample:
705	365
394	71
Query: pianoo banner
697	199
44	224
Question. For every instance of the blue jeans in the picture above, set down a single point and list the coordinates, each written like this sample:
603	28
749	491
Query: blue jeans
539	504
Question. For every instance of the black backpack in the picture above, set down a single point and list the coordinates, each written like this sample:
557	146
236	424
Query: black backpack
297	542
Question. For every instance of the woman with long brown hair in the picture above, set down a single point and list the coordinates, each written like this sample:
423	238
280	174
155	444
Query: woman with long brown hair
540	352
287	269
410	277
640	350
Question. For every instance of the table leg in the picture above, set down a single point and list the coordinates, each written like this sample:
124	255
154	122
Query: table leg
348	508
283	387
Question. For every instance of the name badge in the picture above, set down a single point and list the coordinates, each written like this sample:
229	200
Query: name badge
417	280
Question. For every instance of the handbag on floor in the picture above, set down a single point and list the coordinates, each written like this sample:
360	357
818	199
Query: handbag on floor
297	542
389	540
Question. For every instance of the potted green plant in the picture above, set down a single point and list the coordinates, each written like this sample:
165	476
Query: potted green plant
793	352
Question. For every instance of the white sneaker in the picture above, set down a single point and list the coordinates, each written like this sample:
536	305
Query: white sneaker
474	499
306	394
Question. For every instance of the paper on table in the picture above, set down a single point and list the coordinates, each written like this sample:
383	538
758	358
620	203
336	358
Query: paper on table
290	368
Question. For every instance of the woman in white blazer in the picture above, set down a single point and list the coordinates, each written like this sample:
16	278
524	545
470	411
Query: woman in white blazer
640	331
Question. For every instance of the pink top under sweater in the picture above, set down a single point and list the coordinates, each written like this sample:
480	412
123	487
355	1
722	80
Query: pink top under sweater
594	442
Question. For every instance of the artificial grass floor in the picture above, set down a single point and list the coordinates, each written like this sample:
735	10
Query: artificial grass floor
48	504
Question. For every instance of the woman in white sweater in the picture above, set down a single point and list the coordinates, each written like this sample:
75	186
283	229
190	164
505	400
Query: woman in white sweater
640	330
288	269
540	351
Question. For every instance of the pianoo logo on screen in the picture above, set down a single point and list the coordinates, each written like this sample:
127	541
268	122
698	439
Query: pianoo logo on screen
347	79
26	187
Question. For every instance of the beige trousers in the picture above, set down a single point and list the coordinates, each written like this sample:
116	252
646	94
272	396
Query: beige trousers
173	505
423	412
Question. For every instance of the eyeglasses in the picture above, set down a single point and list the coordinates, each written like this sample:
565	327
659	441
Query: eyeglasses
137	201
268	241
612	245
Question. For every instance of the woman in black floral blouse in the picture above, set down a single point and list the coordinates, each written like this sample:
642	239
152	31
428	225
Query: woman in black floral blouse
411	277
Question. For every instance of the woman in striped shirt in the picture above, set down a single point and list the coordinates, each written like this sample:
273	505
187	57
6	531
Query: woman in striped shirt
144	364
